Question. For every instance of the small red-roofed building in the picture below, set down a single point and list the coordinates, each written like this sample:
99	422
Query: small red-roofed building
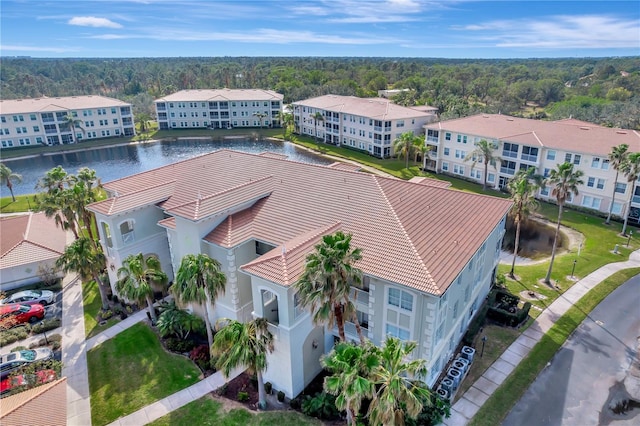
28	244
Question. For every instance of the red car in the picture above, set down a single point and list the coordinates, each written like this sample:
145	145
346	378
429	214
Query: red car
40	377
14	314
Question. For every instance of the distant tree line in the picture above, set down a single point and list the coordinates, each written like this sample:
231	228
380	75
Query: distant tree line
600	90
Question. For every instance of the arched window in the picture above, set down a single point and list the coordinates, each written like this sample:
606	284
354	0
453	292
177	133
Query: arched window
126	230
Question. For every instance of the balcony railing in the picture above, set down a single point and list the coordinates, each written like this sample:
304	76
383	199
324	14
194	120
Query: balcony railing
377	128
530	158
507	171
433	139
361	296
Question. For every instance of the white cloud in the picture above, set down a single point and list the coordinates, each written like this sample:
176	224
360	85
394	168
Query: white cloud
560	32
92	21
368	11
15	48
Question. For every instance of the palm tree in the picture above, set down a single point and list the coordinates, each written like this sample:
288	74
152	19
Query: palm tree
6	178
523	188
326	282
631	169
85	191
199	280
406	145
143	120
398	384
55	178
484	152
565	181
317	117
351	367
81	257
137	277
238	344
70	123
261	116
617	157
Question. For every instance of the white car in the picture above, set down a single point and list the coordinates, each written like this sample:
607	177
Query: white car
30	297
14	360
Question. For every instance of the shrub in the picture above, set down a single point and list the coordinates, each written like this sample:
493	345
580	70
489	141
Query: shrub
19	348
178	345
46	325
243	396
14	334
268	387
433	412
321	406
201	356
280	396
295	403
105	315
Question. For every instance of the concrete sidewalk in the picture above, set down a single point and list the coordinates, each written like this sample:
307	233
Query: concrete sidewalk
469	404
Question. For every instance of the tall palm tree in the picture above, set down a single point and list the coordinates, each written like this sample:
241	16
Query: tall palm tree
326	282
523	188
565	181
631	169
617	157
484	151
70	123
56	177
199	280
143	120
85	190
60	206
398	384
81	257
406	145
238	344
316	118
351	367
136	278
7	177
261	116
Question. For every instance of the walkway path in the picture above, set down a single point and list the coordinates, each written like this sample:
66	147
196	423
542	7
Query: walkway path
469	404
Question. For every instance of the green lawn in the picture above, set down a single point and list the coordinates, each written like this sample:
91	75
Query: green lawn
132	370
505	397
92	304
208	412
23	203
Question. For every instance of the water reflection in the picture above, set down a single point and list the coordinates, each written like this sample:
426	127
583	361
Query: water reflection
124	160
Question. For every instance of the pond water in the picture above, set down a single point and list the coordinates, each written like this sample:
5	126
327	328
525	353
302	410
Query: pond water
112	163
536	239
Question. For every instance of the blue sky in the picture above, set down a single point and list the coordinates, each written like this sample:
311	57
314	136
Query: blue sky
392	28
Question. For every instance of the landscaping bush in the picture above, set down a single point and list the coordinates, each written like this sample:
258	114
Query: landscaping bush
295	403
201	356
54	341
105	315
178	345
321	406
505	309
19	348
14	334
433	412
46	325
243	396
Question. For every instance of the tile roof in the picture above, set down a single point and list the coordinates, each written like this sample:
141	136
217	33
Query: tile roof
222	95
29	238
284	264
42	405
44	104
430	182
153	194
345	166
411	233
377	108
567	135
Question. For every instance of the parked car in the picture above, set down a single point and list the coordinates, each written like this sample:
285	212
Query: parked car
40	377
30	297
12	361
15	314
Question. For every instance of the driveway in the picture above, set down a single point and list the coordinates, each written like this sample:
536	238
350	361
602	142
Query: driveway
575	388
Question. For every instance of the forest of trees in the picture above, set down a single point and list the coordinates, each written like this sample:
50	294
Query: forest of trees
600	90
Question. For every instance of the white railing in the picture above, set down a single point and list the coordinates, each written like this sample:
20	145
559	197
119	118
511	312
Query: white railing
361	296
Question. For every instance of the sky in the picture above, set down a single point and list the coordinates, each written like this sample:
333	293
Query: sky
336	28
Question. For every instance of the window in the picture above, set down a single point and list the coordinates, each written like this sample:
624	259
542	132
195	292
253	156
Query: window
32	117
546	173
491	177
551	155
617	208
400	123
529	154
399	332
605	164
400	299
445	166
595	162
459	138
36	128
459	170
455	310
446	151
126	230
568	157
591	202
460	154
447	136
621	187
595	183
510	150
508	167
544	191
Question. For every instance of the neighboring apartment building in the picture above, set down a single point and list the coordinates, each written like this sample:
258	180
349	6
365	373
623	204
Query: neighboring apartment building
522	143
40	121
428	264
219	109
366	124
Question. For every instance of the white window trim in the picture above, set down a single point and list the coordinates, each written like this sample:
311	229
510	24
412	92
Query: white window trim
399	310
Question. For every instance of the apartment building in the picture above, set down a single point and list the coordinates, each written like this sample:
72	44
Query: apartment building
219	109
428	264
41	121
366	124
523	143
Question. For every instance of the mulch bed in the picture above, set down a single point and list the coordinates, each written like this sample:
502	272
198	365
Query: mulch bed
243	383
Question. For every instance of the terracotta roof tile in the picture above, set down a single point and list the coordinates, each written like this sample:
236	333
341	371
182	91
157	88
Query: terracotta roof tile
169	223
274	155
436	183
42	405
378	108
414	234
568	135
345	166
29	238
44	104
142	197
222	95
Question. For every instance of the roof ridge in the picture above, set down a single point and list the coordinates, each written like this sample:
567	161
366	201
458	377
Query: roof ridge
113	199
25	236
404	232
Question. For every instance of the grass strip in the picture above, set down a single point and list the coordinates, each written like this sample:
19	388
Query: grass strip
507	395
131	371
208	412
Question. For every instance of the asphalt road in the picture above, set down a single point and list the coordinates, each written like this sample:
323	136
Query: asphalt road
575	387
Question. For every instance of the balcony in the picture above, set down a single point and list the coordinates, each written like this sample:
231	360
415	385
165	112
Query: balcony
529	158
377	128
507	171
361	296
161	107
